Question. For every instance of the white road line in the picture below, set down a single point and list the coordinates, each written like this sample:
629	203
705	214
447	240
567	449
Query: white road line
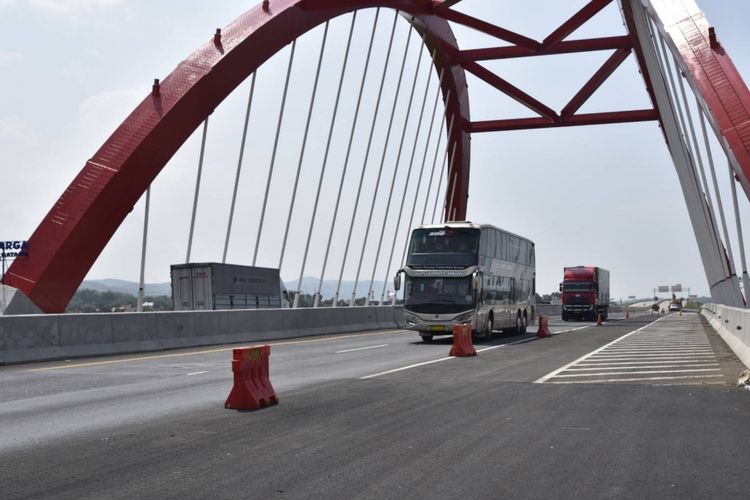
659	350
634	379
363	348
650	362
585	356
395	370
424	363
148	357
650	356
637	367
645	372
196	373
573	329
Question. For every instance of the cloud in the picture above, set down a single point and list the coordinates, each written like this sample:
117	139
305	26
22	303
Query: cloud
8	58
70	8
13	126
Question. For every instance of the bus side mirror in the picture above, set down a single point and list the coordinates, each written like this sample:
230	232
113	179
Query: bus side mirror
560	288
475	284
397	281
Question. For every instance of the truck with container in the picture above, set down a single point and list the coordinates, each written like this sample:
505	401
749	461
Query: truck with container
585	293
213	286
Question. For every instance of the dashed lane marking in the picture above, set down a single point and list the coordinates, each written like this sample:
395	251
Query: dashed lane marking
363	348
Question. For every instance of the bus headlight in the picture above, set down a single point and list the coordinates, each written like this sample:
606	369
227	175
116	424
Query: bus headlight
410	320
464	318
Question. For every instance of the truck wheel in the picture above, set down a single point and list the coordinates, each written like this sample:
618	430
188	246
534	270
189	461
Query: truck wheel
427	339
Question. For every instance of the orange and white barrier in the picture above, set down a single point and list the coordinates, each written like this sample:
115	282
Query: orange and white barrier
462	344
543	330
252	387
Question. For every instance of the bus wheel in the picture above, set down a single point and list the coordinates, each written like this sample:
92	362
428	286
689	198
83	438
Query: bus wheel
426	338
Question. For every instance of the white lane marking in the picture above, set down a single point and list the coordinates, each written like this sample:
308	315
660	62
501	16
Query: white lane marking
363	348
424	363
602	381
523	341
651	356
196	373
585	356
645	372
639	367
572	329
395	370
649	362
210	351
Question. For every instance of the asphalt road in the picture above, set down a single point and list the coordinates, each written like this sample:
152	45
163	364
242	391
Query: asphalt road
383	415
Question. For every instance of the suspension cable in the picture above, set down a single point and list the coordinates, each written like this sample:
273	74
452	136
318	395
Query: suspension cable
701	167
398	164
330	136
304	144
322	172
367	155
738	223
410	220
434	160
709	155
141	285
239	167
197	190
449	202
703	196
440	177
275	149
419	182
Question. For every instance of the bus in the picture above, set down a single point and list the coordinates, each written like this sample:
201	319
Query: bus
465	273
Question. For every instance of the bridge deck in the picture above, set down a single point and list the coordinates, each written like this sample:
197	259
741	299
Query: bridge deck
155	426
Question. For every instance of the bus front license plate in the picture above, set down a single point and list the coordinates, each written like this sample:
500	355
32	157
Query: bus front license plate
437	328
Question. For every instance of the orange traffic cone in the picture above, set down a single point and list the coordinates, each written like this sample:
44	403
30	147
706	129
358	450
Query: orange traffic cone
600	319
627	315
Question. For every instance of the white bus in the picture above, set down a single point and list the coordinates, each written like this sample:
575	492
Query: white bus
459	272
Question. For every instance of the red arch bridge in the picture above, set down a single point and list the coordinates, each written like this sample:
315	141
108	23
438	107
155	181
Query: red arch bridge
694	89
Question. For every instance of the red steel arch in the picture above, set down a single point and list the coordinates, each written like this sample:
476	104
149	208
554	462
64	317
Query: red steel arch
75	231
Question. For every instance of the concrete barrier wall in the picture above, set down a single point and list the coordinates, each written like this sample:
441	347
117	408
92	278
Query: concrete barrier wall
59	336
733	324
548	309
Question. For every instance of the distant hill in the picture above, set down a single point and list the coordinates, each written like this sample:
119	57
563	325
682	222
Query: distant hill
309	285
129	287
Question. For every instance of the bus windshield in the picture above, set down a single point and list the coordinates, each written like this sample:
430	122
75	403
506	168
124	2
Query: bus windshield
443	248
444	240
438	295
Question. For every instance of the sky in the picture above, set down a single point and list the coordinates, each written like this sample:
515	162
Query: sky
72	70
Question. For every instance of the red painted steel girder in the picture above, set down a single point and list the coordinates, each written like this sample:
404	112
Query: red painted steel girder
605	118
75	231
555	43
579	19
564	47
713	76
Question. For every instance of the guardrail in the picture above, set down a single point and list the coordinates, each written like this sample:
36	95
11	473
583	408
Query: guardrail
733	324
60	336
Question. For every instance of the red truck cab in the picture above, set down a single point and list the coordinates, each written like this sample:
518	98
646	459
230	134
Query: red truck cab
585	293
